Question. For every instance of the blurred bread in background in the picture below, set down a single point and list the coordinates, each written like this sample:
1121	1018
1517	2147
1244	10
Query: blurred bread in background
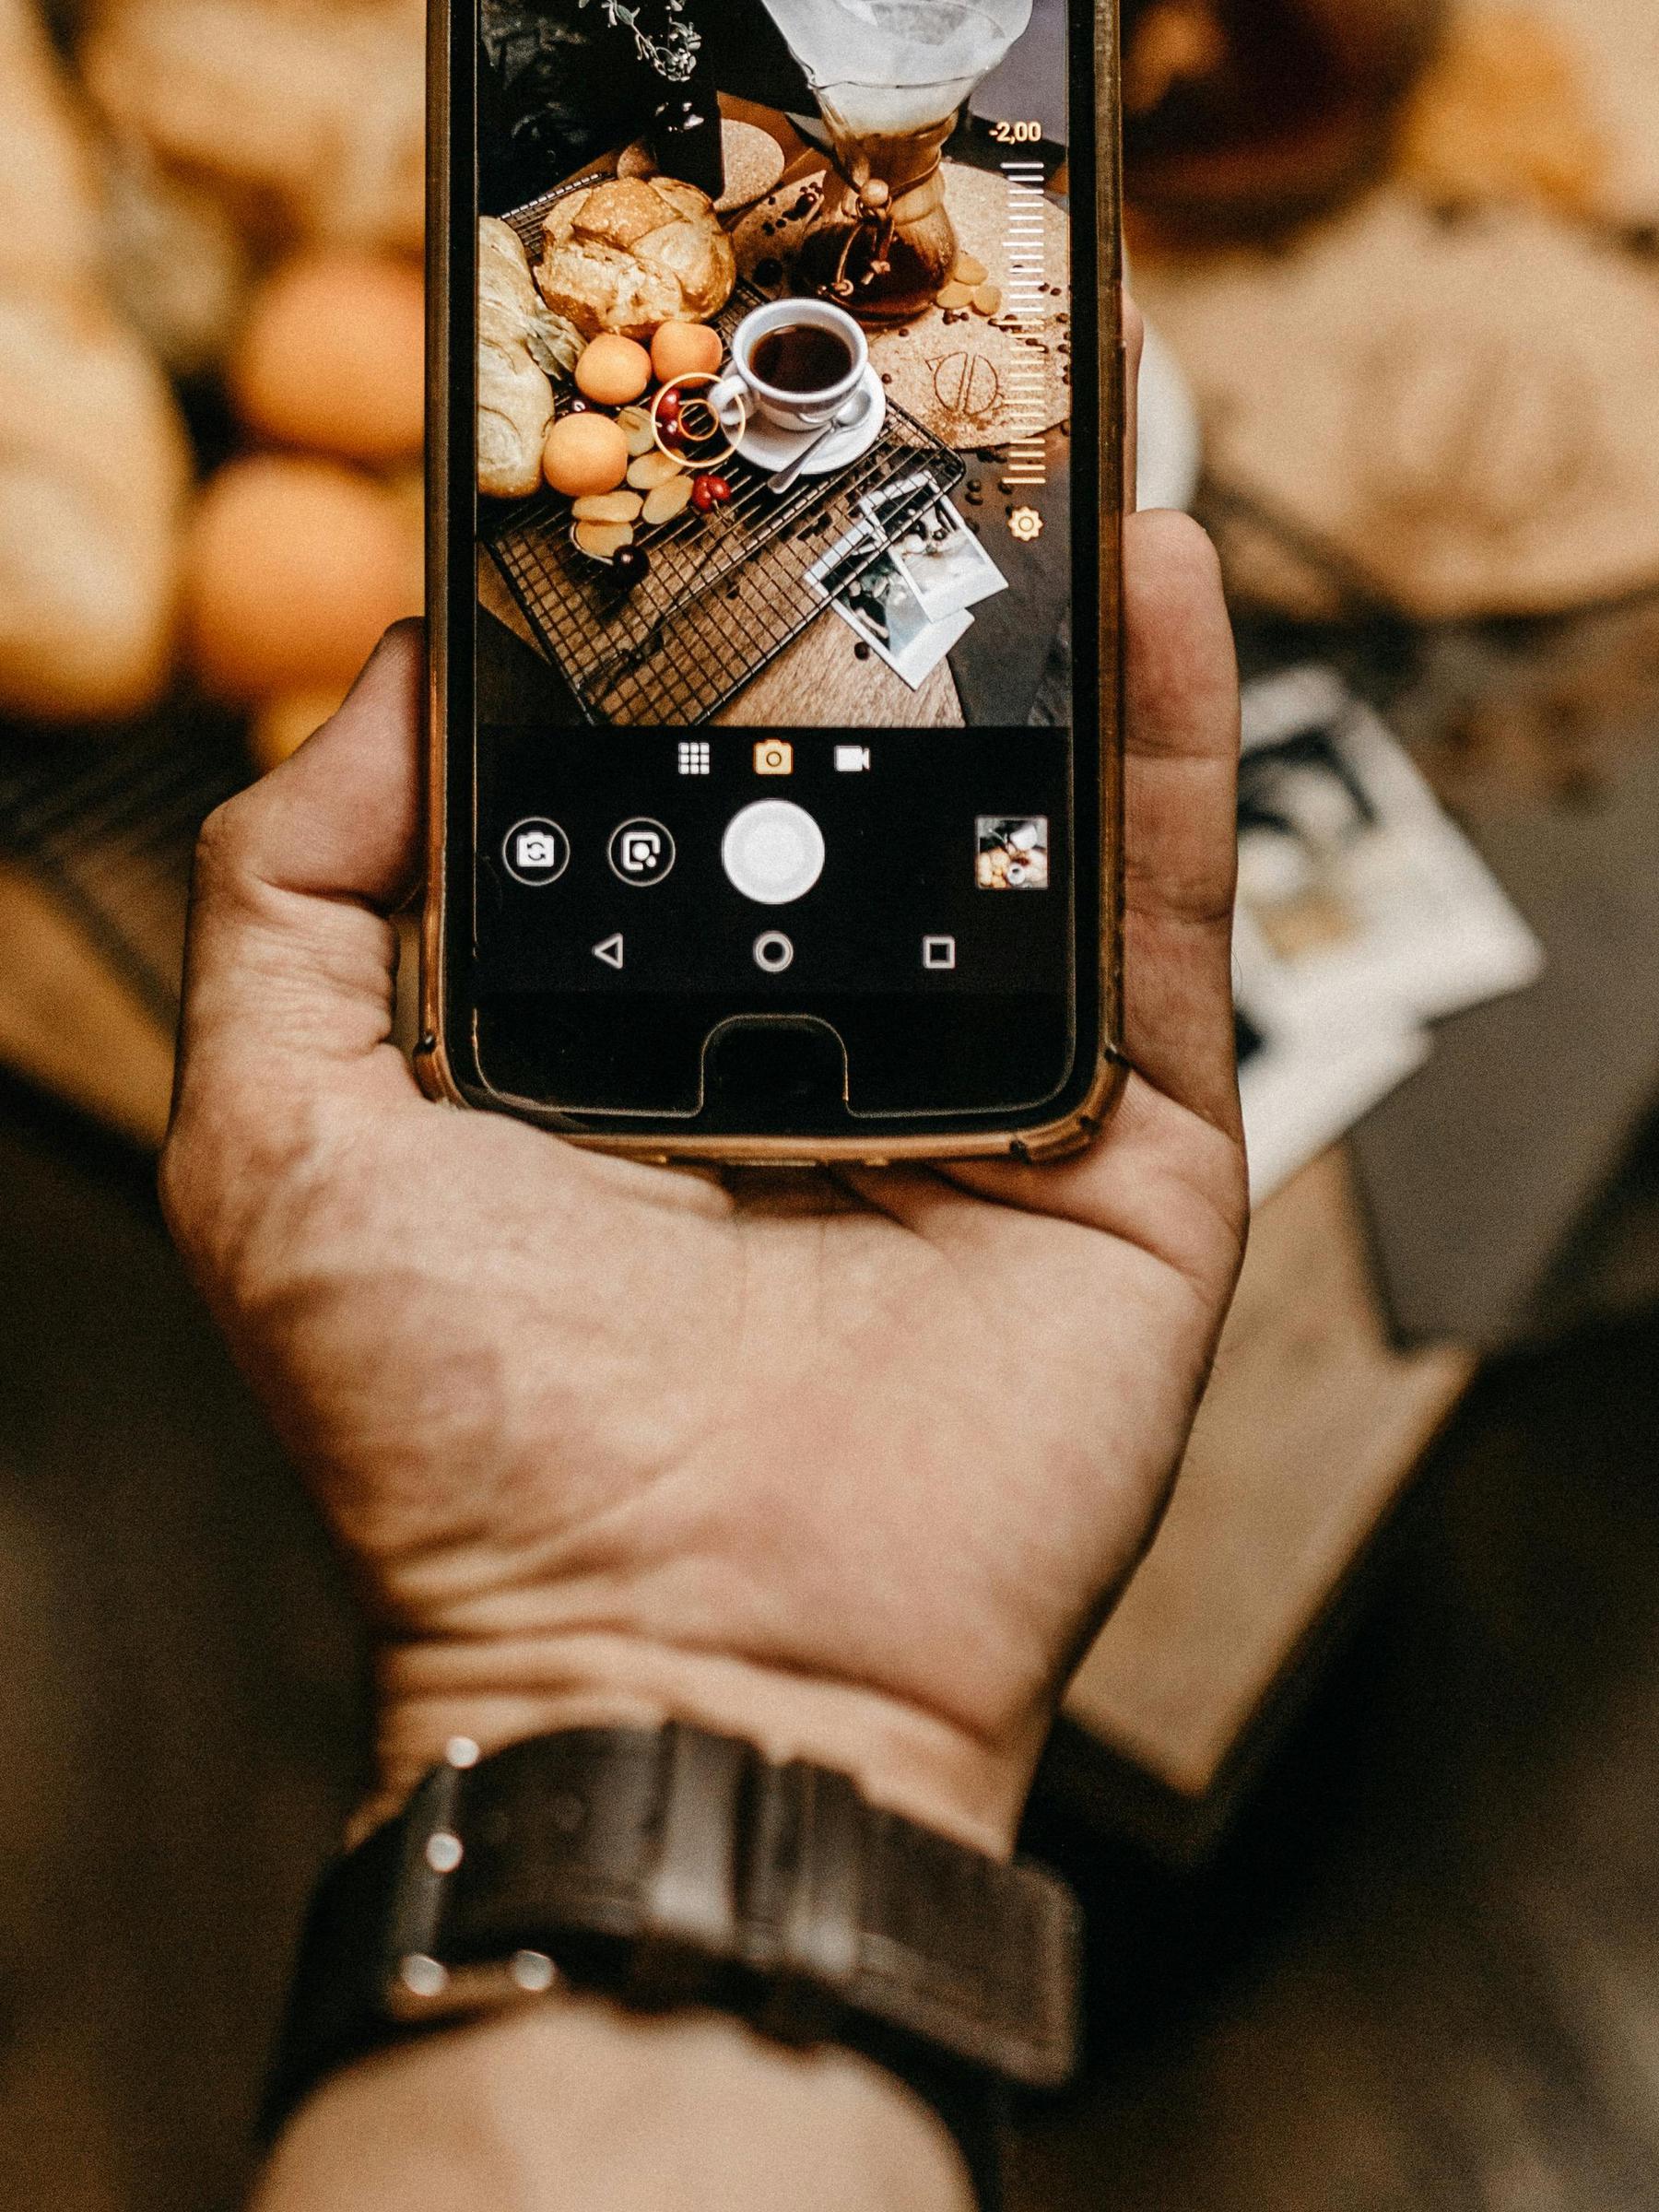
48	167
310	117
179	265
94	464
226	209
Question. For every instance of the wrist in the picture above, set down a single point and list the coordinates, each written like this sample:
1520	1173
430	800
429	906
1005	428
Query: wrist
575	2101
494	1693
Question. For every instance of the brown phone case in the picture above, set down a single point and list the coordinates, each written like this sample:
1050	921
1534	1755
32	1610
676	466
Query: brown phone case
433	1061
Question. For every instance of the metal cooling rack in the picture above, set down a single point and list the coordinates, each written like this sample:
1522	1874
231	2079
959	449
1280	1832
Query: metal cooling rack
728	591
108	821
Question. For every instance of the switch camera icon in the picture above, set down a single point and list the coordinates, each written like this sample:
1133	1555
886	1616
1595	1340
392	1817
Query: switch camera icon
535	853
642	853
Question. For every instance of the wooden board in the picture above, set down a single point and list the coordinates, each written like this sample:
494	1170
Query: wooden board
1311	1431
69	1025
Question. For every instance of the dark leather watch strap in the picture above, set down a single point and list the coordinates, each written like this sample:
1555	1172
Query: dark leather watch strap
668	1866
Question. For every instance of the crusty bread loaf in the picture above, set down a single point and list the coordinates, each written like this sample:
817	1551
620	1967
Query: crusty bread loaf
314	115
515	398
635	253
94	471
94	464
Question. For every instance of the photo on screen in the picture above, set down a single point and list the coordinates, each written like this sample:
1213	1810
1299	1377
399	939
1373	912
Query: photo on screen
774	362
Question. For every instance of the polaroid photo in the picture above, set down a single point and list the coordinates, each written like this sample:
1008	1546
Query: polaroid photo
1302	1091
948	569
831	574
876	602
1356	889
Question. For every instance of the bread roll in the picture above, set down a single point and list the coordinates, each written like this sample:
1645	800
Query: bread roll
515	397
48	193
295	567
94	471
94	466
178	265
333	355
315	115
634	254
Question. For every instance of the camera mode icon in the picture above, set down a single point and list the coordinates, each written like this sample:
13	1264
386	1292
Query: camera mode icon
773	757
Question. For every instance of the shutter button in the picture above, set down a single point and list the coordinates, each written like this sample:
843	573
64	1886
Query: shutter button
773	851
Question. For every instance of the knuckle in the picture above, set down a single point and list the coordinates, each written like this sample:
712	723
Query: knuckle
244	1178
225	845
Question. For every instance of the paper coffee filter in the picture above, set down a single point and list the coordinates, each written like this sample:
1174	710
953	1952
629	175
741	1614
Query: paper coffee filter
881	68
966	376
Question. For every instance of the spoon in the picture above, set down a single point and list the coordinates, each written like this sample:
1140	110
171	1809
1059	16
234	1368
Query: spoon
789	475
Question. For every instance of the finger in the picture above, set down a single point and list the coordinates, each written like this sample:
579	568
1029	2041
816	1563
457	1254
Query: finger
1181	848
291	960
1180	823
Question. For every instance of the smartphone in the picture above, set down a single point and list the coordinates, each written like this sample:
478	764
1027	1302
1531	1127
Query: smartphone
776	484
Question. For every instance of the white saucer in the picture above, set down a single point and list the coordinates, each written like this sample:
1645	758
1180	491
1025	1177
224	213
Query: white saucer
763	445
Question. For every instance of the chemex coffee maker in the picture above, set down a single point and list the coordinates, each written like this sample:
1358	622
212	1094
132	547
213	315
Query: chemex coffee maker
891	77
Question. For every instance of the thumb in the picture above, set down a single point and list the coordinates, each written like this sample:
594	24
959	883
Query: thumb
291	959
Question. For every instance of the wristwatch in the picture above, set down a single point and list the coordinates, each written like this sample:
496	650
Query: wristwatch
666	1867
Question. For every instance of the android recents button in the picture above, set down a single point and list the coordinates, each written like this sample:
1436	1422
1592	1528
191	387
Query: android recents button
773	851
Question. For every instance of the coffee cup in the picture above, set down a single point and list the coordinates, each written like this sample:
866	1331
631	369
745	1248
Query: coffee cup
795	363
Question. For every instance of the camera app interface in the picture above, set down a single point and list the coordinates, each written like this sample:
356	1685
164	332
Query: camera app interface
779	519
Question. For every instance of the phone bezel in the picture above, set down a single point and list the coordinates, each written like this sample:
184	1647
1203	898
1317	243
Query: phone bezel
447	1062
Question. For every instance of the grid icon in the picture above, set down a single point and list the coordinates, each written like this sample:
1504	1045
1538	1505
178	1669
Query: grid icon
695	759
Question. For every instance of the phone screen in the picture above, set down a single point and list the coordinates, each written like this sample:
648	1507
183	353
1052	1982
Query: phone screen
778	492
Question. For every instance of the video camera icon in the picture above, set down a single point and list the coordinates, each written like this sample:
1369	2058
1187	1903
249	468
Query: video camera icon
642	853
535	853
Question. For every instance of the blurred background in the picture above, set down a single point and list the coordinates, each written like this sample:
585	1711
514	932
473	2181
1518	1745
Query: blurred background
1356	1782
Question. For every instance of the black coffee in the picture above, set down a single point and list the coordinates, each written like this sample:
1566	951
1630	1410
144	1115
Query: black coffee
802	356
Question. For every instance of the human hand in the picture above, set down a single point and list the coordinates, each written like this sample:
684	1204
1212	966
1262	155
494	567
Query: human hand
851	1465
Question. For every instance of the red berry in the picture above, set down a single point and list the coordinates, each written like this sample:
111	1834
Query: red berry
702	494
719	488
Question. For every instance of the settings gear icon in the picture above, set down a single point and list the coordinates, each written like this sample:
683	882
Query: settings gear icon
1026	524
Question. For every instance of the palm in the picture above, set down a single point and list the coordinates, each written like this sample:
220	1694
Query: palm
908	1435
900	1431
